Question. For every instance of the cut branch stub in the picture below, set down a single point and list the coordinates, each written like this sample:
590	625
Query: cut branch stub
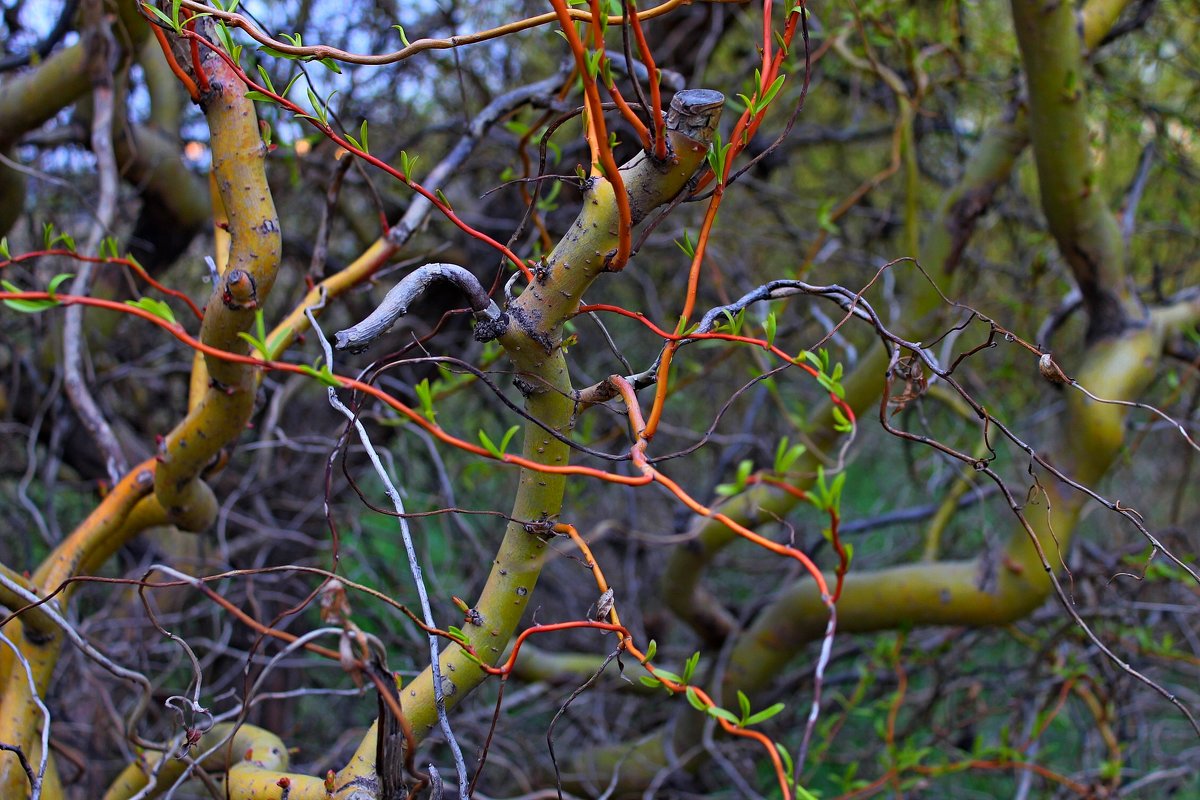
695	112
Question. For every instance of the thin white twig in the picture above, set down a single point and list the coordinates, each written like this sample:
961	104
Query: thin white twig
100	45
414	564
35	781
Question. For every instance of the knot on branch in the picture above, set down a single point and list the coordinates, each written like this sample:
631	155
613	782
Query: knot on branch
491	322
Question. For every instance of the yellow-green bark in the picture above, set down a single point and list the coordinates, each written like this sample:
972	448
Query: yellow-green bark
238	166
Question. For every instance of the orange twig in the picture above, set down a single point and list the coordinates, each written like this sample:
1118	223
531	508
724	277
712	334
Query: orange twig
184	78
196	65
601	152
124	262
638	452
635	22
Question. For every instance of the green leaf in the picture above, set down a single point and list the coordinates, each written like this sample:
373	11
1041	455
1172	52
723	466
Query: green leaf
651	649
745	467
689	667
804	794
259	339
324	375
765	714
772	90
694	699
26	306
770	326
172	23
832	386
403	38
721	713
156	307
819	497
592	62
266	77
30	306
841	423
788	764
259	346
668	675
787	454
650	681
254	94
331	65
516	127
743	703
4	252
489	445
288	89
825	217
271	51
407	164
362	136
425	397
224	36
109	247
508	435
57	281
835	491
687	245
717	156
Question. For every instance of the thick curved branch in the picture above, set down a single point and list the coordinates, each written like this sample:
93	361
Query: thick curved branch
1052	43
104	529
255	245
